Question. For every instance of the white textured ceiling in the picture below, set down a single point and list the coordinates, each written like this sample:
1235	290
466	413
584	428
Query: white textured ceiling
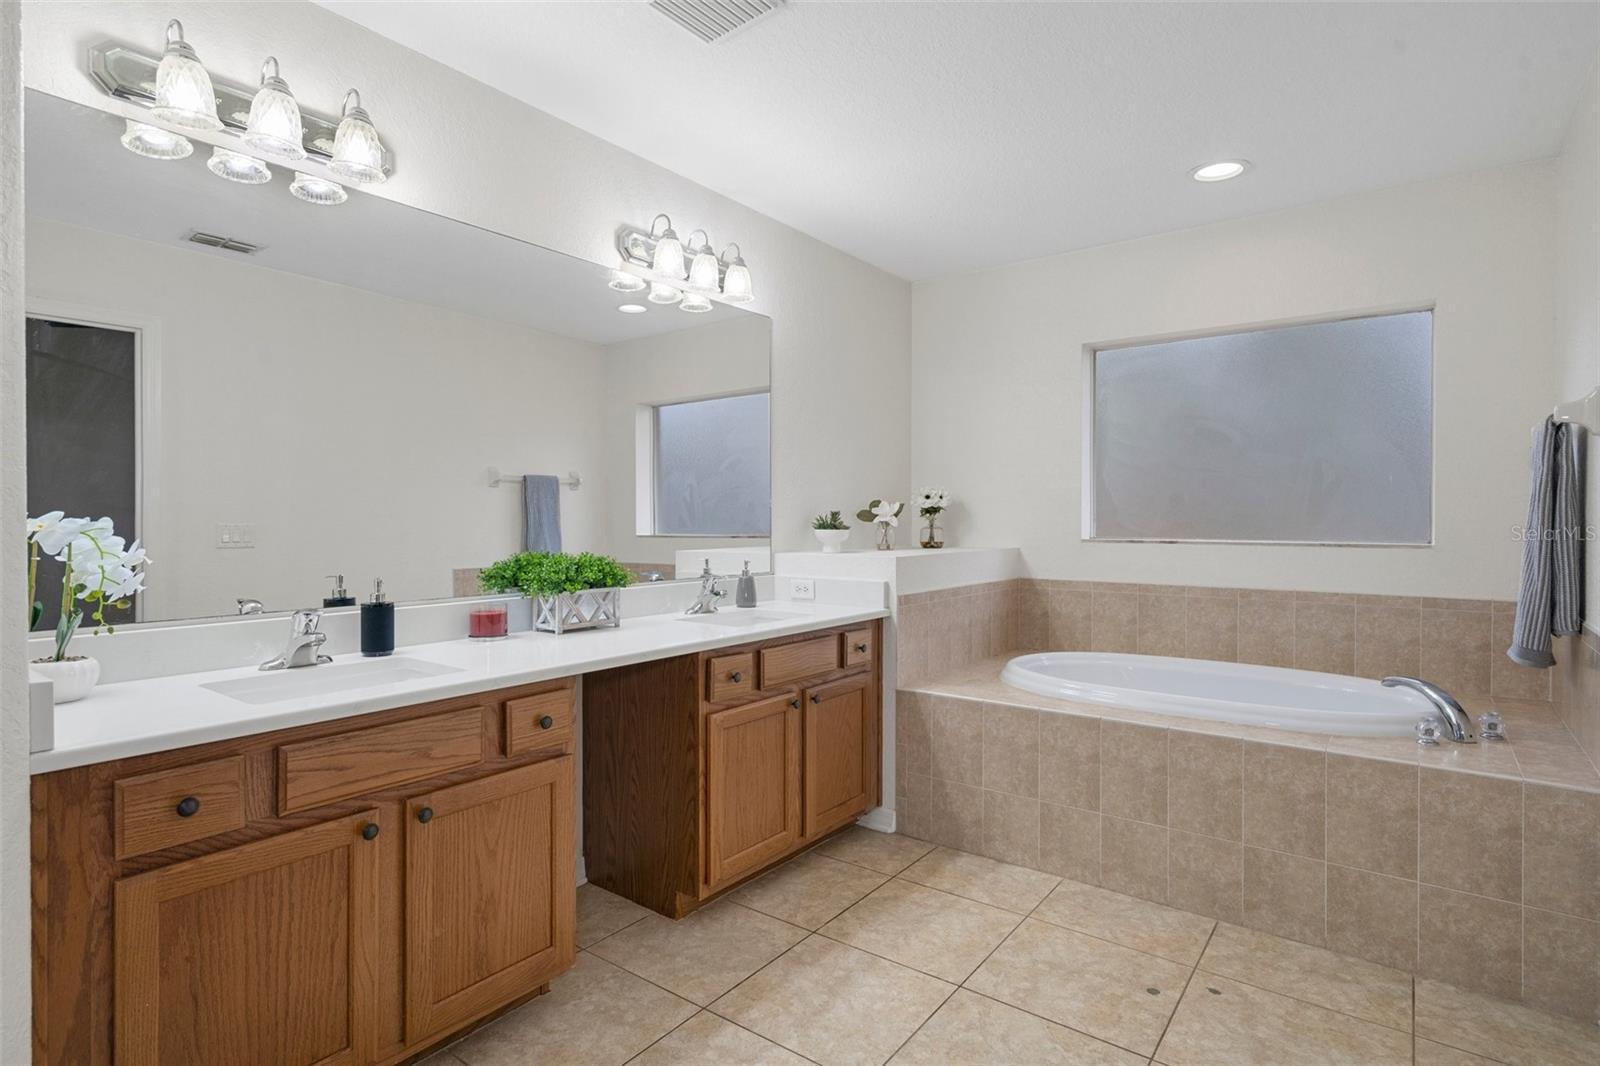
934	138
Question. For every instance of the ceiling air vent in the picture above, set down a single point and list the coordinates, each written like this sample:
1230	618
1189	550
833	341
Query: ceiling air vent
712	20
227	244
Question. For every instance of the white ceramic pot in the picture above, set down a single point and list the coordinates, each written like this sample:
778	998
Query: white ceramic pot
71	679
832	539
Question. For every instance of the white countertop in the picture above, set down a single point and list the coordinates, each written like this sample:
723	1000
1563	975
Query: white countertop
162	713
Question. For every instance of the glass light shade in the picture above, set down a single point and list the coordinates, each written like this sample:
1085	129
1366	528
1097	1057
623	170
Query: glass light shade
153	143
357	153
664	294
236	166
736	287
274	126
622	281
703	272
694	303
184	96
668	258
315	190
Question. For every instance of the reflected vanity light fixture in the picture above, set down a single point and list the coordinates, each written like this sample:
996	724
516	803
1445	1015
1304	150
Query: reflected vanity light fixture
141	138
622	281
694	303
664	294
274	127
708	276
236	166
315	190
184	96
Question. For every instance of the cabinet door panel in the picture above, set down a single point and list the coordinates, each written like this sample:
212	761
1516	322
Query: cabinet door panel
490	907
752	782
260	953
841	766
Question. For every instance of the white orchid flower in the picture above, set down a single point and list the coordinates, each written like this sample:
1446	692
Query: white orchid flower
888	512
44	523
53	537
135	556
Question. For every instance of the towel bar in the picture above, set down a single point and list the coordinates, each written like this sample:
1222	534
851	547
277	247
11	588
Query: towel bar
496	478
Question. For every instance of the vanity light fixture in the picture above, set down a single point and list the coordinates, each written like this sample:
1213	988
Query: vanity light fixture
315	190
184	96
704	272
632	309
664	294
1220	171
657	256
140	138
357	152
236	166
667	261
622	281
274	127
695	303
736	287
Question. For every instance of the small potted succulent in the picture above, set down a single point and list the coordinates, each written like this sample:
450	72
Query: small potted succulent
830	531
102	572
931	503
886	515
569	592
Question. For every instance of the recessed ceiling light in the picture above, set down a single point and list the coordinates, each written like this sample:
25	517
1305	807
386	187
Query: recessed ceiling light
632	309
1220	171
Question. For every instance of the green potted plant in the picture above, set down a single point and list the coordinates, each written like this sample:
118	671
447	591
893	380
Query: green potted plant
568	591
830	531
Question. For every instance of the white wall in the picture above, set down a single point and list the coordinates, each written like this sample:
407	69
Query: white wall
1577	288
362	454
998	357
718	359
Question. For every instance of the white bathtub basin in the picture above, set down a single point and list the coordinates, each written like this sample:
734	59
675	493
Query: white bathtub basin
1299	700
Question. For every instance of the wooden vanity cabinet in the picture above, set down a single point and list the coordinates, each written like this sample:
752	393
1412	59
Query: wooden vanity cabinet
704	770
309	896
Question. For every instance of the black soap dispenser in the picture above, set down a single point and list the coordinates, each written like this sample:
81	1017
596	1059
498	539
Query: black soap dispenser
745	596
377	623
339	597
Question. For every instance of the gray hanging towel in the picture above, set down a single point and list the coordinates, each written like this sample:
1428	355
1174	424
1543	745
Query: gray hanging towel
541	513
1550	602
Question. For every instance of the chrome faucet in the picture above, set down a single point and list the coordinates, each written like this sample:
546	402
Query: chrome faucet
304	640
706	601
250	606
1457	722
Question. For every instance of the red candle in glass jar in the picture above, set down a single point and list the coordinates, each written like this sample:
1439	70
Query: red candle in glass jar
486	623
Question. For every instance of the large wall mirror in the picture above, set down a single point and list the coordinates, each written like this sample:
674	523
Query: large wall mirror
267	391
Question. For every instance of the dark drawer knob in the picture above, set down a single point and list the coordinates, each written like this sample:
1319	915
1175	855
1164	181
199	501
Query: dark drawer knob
188	806
795	703
736	676
369	831
546	722
862	648
816	697
425	815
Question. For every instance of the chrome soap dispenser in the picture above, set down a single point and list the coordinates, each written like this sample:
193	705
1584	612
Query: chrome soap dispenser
745	595
377	623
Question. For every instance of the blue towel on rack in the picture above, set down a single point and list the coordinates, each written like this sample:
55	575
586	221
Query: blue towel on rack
541	513
1551	598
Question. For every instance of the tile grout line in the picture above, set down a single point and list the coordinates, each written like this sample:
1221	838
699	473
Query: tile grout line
1186	983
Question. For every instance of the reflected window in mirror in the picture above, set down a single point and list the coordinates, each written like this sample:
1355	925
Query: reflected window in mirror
712	467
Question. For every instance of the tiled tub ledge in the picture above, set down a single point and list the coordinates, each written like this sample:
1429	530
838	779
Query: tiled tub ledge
1478	865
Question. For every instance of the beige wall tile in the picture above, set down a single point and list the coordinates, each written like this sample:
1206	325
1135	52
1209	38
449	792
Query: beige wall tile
1325	636
1561	850
1033	618
913	815
1205	875
1372	916
1448	604
910	733
1133	858
1114	622
1204	783
1211	627
1069	842
1161	625
1470	941
1133	771
1387	640
1372	815
955	739
1266	629
1561	964
1285	798
1069	760
1011	749
1071	618
1010	828
1286	895
1471	833
955	815
1506	678
1455	649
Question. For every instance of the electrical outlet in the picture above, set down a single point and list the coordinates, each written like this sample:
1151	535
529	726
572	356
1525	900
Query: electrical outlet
802	588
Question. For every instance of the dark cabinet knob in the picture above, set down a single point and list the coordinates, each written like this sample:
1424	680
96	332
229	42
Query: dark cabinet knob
425	815
816	697
862	648
736	676
546	722
795	703
188	806
369	831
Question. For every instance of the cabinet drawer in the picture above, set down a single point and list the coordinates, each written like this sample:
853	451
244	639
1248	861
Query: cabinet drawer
858	647
543	720
730	678
155	811
330	769
788	663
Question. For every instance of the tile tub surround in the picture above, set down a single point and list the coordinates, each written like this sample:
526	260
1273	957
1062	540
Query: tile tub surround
1450	862
1577	688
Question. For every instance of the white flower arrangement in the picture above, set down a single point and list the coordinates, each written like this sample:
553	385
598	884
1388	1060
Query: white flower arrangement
102	571
931	502
883	512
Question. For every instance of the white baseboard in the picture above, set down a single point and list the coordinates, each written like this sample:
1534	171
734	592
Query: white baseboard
879	818
583	872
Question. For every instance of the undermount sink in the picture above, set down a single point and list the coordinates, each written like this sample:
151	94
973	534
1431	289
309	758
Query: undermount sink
737	618
274	686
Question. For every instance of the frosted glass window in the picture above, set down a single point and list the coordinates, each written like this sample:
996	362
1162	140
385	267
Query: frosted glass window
1311	434
714	467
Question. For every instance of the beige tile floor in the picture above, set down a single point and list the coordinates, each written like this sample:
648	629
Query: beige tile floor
875	948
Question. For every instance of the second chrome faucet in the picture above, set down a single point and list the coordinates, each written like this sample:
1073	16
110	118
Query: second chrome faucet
305	640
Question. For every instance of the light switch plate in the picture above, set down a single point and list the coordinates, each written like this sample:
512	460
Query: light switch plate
236	535
802	588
